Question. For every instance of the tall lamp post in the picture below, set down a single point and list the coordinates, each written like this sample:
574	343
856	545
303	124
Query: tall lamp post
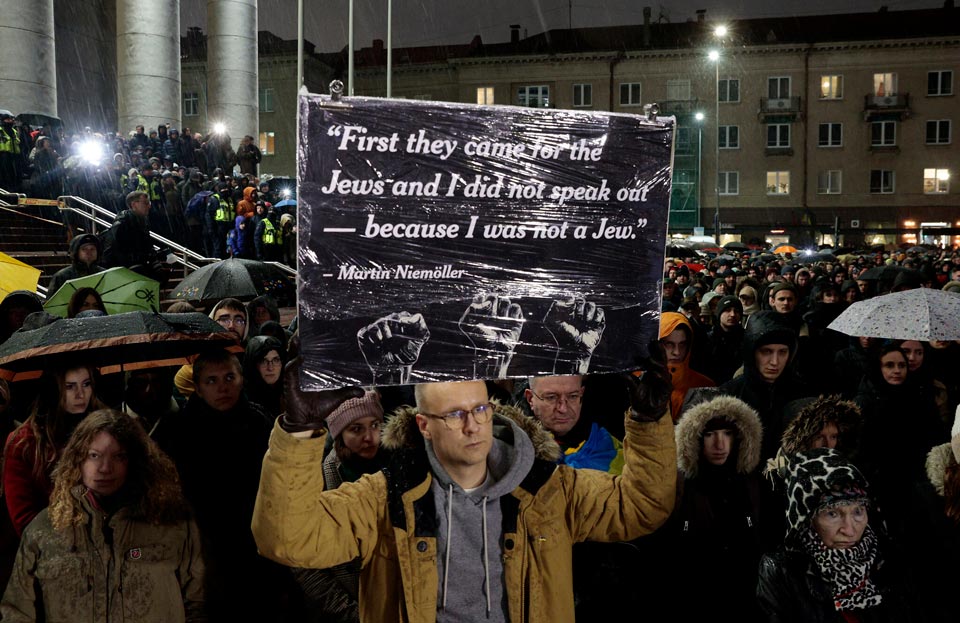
714	55
699	116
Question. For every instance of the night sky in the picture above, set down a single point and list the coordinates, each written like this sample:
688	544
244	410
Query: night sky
429	22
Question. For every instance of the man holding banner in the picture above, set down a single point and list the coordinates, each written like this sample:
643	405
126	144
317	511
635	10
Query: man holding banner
472	519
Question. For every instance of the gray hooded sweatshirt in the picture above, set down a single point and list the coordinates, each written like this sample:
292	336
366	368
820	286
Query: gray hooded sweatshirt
470	566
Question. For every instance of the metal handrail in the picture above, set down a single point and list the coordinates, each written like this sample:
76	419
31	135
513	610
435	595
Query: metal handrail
184	252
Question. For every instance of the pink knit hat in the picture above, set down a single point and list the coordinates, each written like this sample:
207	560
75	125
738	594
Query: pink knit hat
352	410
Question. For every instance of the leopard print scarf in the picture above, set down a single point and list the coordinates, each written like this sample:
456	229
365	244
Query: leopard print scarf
846	571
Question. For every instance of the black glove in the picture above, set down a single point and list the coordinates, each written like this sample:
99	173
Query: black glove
308	410
650	393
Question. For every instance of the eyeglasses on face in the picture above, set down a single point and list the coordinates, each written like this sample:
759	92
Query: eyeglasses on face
454	420
553	398
270	362
226	321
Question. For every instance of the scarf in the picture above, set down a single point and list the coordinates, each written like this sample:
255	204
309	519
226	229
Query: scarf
846	571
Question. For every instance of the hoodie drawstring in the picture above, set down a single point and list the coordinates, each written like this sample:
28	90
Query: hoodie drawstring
486	557
446	557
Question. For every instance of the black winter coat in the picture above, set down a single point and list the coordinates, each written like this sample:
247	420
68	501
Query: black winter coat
791	591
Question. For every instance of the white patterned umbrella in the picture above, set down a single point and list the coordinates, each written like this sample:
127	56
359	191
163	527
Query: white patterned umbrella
921	314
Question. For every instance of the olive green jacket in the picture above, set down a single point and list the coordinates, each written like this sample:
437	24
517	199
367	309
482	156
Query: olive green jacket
389	519
149	574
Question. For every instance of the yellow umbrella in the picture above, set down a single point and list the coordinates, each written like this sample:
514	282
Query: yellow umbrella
15	275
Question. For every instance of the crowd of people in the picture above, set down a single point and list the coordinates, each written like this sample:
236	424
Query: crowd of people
236	214
763	467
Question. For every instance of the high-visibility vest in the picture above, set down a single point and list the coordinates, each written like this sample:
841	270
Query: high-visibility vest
143	185
154	189
271	235
9	144
224	212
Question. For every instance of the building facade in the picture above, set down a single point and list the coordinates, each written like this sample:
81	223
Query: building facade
808	127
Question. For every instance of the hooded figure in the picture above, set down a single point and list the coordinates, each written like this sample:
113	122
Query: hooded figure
726	339
80	266
768	382
241	238
676	335
833	565
258	369
260	310
247	206
716	521
14	309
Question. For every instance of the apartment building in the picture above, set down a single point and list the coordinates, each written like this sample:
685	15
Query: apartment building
801	129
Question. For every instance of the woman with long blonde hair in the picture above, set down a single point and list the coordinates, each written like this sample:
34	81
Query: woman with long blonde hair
117	543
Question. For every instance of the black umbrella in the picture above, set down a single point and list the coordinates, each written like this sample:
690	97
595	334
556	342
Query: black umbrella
736	246
129	341
881	273
678	250
234	278
821	256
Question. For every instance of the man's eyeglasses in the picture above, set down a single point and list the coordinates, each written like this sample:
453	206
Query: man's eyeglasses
573	398
237	321
454	420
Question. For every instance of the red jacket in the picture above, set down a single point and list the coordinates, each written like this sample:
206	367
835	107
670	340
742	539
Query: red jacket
26	494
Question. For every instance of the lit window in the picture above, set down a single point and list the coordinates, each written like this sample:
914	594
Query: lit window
629	93
831	87
938	132
266	99
191	104
729	90
778	182
729	182
828	182
881	181
884	84
936	181
831	135
778	135
883	133
534	96
582	95
267	143
940	83
729	137
485	95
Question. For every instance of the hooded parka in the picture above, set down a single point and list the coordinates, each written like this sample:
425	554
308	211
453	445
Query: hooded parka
392	521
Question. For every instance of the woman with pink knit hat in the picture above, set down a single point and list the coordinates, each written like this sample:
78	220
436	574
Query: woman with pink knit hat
331	594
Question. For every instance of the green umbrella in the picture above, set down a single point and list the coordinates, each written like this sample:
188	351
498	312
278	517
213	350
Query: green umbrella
121	289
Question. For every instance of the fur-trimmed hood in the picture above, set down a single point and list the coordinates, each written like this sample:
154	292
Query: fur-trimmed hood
938	460
402	432
689	433
812	418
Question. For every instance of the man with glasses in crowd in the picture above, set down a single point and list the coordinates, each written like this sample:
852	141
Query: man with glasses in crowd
472	519
557	402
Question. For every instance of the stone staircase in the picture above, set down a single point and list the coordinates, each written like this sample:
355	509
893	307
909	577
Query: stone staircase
29	234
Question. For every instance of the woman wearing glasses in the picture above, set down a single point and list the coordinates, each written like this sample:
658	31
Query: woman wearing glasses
263	372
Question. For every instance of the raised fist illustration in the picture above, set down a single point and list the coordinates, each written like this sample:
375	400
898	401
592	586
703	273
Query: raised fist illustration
492	324
577	327
391	346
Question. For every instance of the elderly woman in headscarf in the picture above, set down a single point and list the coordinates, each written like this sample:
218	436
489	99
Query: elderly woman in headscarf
833	564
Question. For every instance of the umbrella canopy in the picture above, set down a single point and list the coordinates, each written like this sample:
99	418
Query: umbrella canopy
234	278
736	246
121	289
785	248
131	341
821	256
679	250
15	275
921	314
881	273
38	119
285	203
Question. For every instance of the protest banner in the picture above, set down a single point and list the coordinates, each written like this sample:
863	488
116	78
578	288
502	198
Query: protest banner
444	241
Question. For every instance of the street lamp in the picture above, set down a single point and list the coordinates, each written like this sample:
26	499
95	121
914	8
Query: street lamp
714	56
699	116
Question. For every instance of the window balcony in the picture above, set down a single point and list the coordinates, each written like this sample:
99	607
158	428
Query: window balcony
783	107
895	106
